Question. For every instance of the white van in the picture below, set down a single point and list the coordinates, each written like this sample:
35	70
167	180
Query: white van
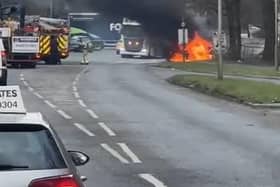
3	64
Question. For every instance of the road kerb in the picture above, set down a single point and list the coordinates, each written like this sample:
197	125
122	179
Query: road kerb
272	106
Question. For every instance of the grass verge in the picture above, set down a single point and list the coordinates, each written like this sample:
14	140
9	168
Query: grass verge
229	69
242	91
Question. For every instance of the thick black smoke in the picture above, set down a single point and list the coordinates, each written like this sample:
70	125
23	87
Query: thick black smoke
161	18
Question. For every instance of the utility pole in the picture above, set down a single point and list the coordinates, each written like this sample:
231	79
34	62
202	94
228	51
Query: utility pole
184	32
51	8
276	63
1	11
22	14
220	73
184	40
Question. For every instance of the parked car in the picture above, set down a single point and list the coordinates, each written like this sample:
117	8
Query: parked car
76	43
33	155
95	42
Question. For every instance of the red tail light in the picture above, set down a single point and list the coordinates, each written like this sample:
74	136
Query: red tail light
61	181
3	54
38	56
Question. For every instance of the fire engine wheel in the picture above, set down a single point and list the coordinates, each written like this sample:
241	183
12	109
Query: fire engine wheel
126	56
3	79
48	61
14	65
33	65
29	65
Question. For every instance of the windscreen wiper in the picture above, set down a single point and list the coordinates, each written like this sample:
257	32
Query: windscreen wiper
12	167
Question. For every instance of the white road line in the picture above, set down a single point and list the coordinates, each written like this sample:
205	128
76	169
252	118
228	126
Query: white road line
151	179
25	83
92	114
63	114
38	95
75	88
82	103
129	153
78	77
84	129
76	94
31	89
21	75
107	129
22	79
50	104
114	153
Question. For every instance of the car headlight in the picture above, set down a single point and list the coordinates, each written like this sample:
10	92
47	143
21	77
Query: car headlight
144	50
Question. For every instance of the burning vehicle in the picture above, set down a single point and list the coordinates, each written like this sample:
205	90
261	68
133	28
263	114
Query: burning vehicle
196	50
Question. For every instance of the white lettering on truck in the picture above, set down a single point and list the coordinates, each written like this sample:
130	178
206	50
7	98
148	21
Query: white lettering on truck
115	27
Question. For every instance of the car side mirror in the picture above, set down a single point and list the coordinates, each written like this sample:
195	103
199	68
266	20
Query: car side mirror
79	158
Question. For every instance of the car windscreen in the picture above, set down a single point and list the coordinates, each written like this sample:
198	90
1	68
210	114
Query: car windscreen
28	147
132	31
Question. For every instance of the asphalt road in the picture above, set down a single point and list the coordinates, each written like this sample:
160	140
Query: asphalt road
142	132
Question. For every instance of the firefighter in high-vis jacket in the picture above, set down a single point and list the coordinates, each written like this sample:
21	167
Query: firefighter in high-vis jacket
85	46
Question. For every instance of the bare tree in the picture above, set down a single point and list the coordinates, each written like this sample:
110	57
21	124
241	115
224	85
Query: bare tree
268	19
234	28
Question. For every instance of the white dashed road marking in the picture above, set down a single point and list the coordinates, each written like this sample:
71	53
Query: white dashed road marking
75	88
92	114
31	89
109	131
76	94
38	95
74	83
114	153
78	77
25	83
50	104
84	129
63	114
82	103
151	179
129	153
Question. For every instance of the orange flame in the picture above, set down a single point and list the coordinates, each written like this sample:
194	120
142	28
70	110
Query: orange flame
198	49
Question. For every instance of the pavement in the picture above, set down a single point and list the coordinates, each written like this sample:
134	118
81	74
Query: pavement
141	131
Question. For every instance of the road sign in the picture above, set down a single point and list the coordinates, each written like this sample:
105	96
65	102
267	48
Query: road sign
223	41
11	100
181	36
25	44
5	32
